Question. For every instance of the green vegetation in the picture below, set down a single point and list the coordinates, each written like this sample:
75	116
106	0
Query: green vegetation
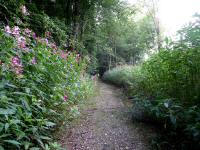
166	88
41	84
38	86
47	48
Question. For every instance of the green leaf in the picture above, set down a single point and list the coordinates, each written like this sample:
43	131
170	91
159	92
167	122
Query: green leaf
20	134
21	93
15	121
50	124
40	142
13	142
7	111
4	135
1	126
6	126
11	85
26	105
1	148
44	137
26	145
173	119
34	148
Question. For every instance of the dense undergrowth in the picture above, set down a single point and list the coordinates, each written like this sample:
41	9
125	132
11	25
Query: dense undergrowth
165	89
40	83
167	93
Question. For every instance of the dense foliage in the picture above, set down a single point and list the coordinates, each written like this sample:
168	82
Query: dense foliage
40	83
43	67
94	28
166	90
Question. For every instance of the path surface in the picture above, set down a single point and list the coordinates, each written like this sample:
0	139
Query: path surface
106	125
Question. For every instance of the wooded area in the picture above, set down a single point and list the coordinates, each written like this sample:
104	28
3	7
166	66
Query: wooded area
50	48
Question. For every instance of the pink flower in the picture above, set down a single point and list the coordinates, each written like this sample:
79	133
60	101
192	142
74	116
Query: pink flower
16	65
63	55
27	32
33	61
34	35
8	30
15	61
65	98
46	41
21	42
24	10
16	31
42	40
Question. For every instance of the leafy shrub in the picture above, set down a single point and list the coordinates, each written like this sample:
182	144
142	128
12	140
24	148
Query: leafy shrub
39	83
121	76
125	76
165	90
41	23
174	74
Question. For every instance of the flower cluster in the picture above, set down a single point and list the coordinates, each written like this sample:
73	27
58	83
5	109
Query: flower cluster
28	32
21	42
15	31
8	30
16	65
64	55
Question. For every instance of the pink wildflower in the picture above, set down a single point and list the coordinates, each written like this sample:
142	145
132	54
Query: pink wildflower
42	40
21	42
16	65
33	61
46	41
64	55
15	61
65	98
34	35
27	32
8	30
24	10
16	31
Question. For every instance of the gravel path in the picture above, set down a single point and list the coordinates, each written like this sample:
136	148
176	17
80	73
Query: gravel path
106	125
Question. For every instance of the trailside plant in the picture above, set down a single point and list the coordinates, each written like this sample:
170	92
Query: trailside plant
165	89
38	84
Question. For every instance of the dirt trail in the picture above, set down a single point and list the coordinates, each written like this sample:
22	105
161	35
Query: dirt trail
106	125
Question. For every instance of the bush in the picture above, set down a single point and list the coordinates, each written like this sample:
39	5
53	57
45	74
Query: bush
165	90
39	83
121	76
174	74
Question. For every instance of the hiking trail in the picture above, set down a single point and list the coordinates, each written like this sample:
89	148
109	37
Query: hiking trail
106	124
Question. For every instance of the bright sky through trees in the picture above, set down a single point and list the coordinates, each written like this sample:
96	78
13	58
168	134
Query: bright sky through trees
175	13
